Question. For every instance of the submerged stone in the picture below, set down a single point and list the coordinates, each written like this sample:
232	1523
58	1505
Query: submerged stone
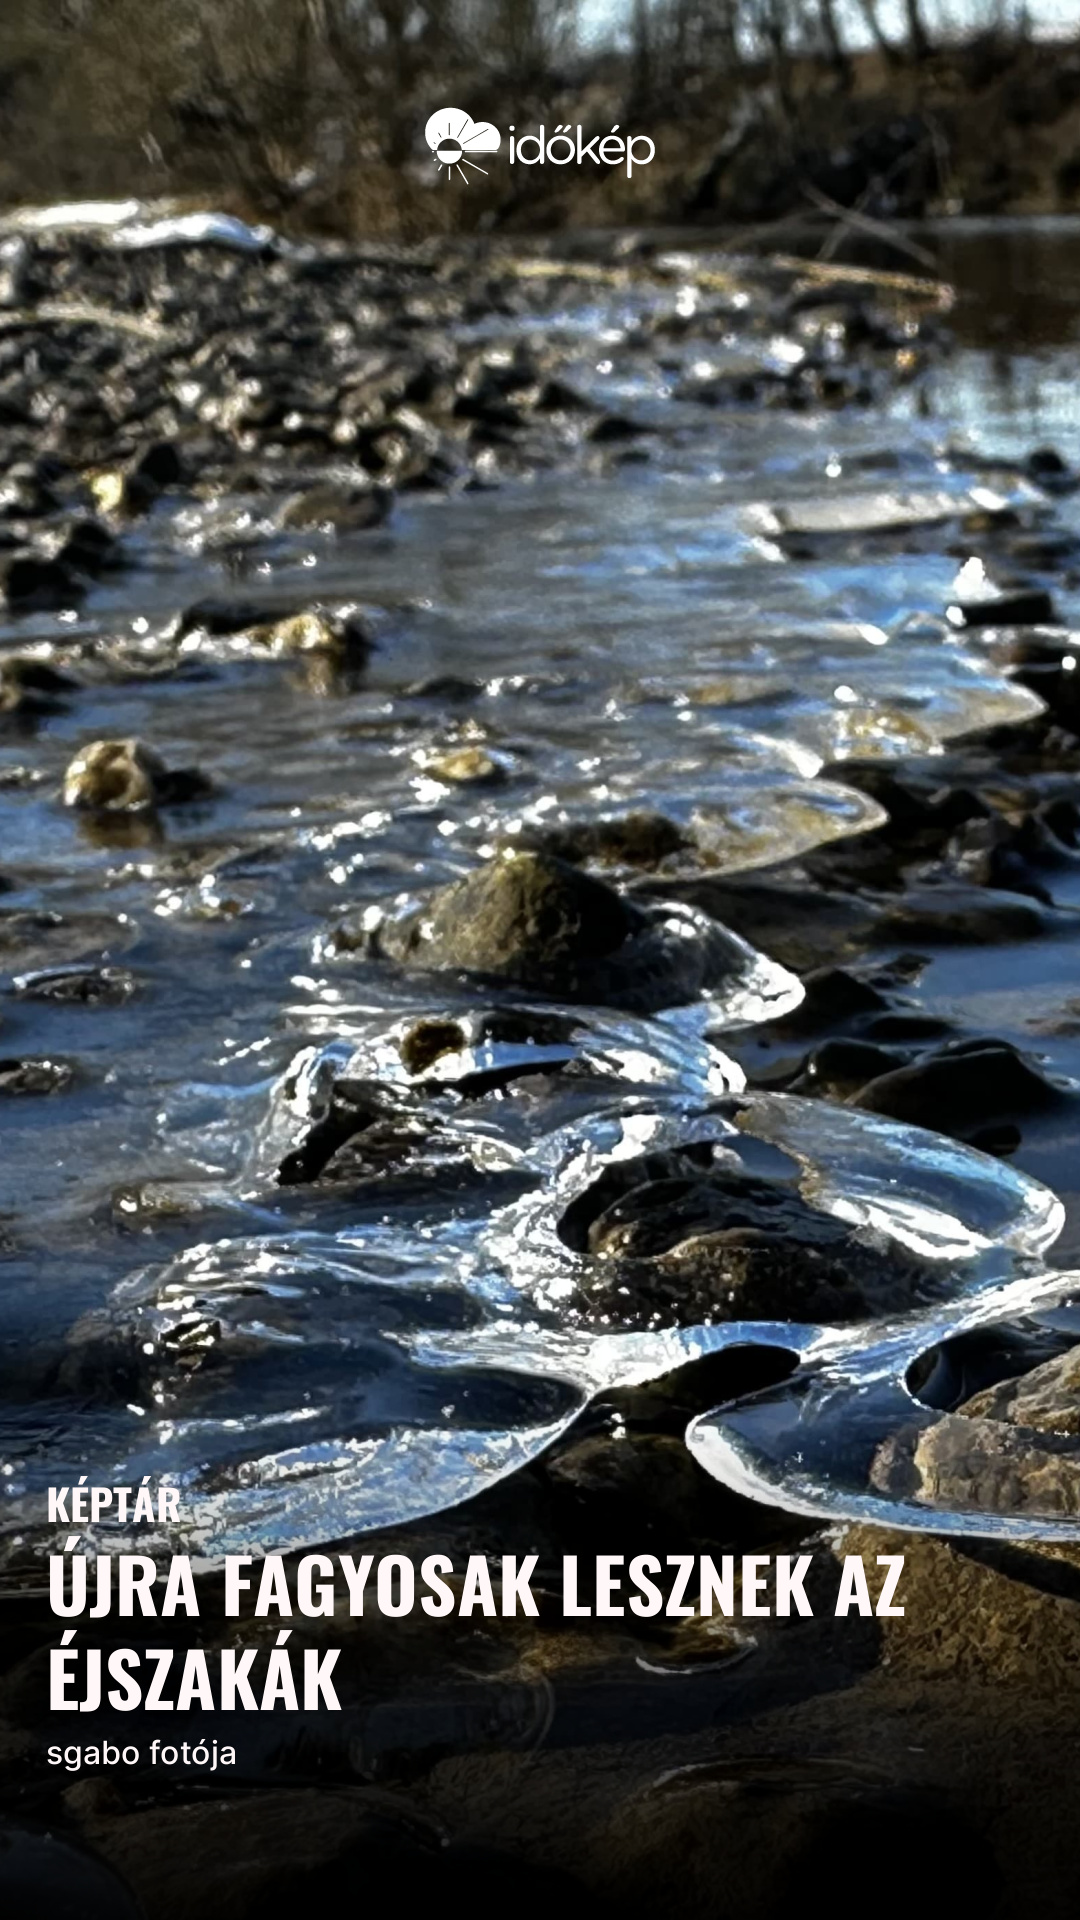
689	1237
640	839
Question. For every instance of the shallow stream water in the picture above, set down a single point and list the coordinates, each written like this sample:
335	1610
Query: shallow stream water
632	632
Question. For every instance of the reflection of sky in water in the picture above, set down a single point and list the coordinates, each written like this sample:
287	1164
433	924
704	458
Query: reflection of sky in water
1005	406
1008	386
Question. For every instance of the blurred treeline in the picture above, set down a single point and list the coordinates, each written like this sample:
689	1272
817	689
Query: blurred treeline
310	112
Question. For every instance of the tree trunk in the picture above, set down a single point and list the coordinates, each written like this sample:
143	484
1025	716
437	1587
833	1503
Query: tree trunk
918	41
839	59
868	9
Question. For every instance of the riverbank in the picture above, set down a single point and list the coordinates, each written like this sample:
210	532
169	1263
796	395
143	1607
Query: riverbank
989	126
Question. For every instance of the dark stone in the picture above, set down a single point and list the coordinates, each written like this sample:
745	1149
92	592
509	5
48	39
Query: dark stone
83	986
355	1107
614	427
1046	466
1015	607
36	585
538	923
957	915
632	840
987	1457
428	1041
963	1089
91	549
223	617
832	995
1019	851
798	924
838	1067
685	1238
31	689
160	467
35	1076
556	396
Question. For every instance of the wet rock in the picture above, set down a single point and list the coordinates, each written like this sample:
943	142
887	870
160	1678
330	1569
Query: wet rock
751	384
467	766
91	550
558	396
132	489
346	638
800	925
923	798
453	688
223	617
493	1048
1018	853
428	1041
613	428
34	584
125	776
1046	466
1046	1400
386	1123
336	507
78	986
840	1067
640	839
981	600
957	916
539	923
32	689
980	1614
646	1483
964	1090
686	1237
35	1076
963	1463
45	938
834	995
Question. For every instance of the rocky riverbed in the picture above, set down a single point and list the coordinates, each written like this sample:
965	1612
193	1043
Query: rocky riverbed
542	834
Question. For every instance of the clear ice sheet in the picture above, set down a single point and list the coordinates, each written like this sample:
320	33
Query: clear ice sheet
395	1368
808	1446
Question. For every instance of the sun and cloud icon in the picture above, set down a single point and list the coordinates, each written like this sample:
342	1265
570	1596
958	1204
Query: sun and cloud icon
454	137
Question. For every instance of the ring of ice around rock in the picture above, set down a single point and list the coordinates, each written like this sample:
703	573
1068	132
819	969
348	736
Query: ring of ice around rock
303	1387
